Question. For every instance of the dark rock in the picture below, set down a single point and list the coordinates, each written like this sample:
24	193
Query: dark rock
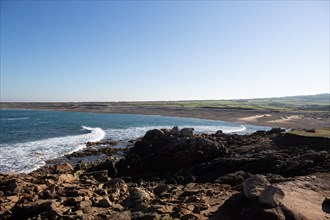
104	203
219	133
233	179
187	132
175	131
288	140
152	135
326	205
101	175
161	188
238	207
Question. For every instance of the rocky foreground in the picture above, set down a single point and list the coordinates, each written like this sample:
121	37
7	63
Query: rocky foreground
175	174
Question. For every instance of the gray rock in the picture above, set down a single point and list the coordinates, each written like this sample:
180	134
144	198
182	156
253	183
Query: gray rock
271	196
254	185
140	195
175	131
187	132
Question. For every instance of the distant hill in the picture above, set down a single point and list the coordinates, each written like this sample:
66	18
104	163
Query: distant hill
320	102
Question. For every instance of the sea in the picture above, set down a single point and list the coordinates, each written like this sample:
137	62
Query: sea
30	138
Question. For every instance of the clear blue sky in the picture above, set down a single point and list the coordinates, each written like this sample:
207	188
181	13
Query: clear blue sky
112	51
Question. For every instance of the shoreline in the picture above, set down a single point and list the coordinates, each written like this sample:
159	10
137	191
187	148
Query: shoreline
176	174
288	120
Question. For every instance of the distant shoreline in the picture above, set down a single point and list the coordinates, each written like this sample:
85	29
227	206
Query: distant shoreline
285	119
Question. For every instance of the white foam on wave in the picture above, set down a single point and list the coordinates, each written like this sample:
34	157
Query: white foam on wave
26	157
14	119
136	132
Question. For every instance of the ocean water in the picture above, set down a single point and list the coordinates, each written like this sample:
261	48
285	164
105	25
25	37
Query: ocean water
29	138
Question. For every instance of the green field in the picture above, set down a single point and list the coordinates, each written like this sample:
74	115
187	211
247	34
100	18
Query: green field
320	132
319	102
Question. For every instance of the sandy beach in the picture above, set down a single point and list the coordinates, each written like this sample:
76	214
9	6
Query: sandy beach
285	119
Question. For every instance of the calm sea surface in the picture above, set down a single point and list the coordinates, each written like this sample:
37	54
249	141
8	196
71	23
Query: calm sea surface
28	138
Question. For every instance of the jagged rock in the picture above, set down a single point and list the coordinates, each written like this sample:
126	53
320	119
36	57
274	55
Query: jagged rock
66	178
238	207
315	156
117	189
271	196
62	168
104	203
15	186
219	133
140	196
160	209
254	185
187	132
101	175
73	201
233	179
152	135
175	131
161	188
183	210
151	155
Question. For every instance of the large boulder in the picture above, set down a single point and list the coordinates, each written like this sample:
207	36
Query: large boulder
254	185
160	152
187	132
152	136
175	131
271	196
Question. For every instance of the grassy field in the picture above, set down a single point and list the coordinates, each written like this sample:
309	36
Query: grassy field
320	132
319	102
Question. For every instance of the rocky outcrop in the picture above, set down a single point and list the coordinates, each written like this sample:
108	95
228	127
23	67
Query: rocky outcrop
161	152
171	174
259	200
171	155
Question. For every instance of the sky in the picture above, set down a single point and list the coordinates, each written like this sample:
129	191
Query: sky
162	50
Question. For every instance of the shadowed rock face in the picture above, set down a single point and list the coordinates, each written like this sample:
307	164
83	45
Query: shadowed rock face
161	152
259	200
169	154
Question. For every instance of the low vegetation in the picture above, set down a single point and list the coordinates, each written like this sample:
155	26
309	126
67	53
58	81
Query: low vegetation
319	102
320	132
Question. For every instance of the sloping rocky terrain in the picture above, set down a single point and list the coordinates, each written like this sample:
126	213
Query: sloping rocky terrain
176	174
